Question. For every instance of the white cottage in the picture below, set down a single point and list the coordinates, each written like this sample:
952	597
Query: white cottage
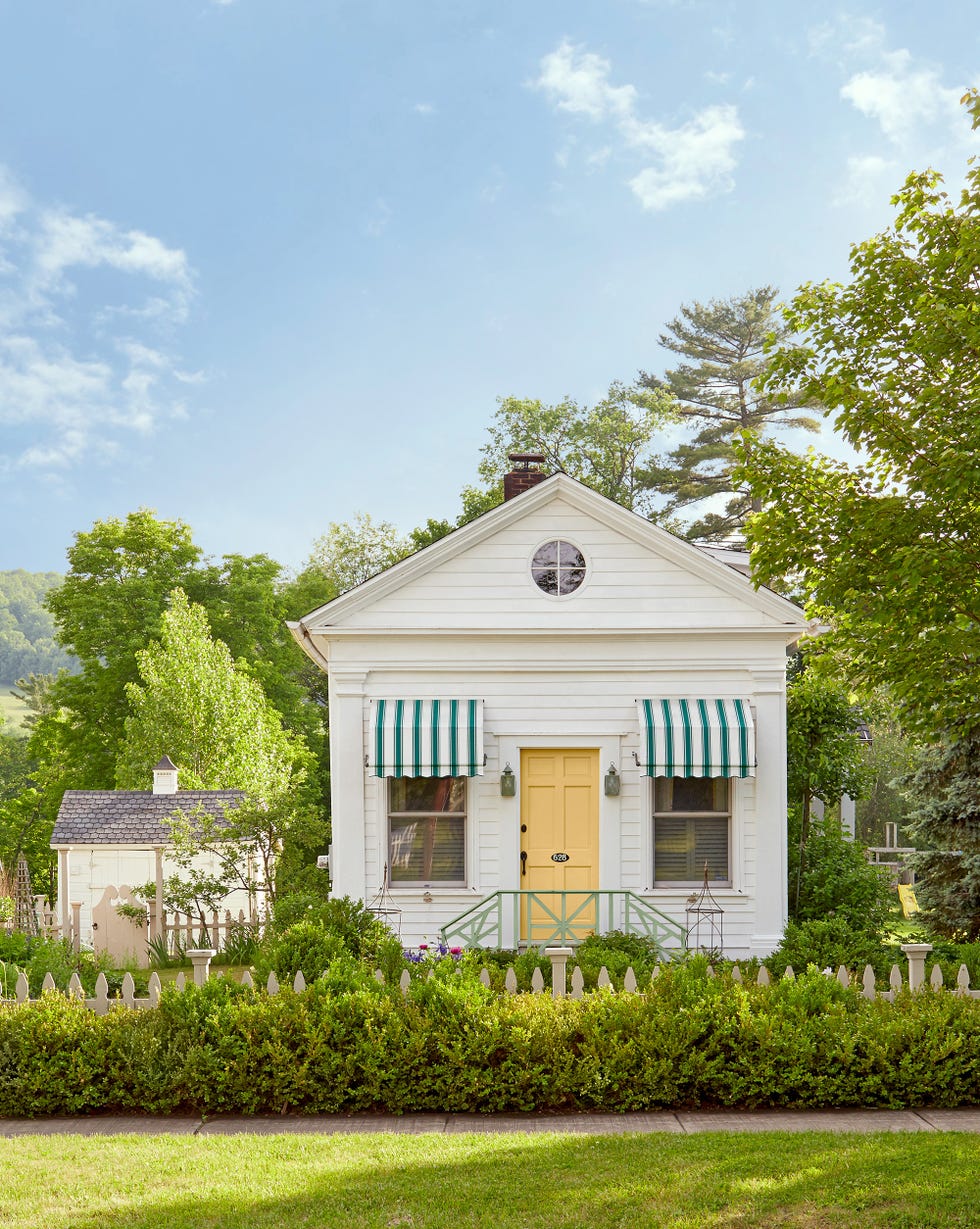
555	720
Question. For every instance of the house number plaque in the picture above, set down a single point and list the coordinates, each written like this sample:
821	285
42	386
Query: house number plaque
559	857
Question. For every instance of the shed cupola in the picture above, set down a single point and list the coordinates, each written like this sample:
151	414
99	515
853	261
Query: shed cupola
165	776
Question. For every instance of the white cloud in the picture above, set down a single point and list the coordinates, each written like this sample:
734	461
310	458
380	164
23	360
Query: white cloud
847	36
692	161
424	108
578	81
903	94
696	159
73	381
902	97
868	179
917	117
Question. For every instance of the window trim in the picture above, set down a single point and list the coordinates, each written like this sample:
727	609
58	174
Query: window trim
557	597
464	815
664	885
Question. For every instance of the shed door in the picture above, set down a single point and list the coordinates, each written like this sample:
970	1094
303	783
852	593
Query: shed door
559	815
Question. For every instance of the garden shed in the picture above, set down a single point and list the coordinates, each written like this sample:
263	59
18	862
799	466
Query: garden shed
559	718
111	841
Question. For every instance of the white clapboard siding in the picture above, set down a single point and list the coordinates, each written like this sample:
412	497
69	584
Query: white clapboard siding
490	586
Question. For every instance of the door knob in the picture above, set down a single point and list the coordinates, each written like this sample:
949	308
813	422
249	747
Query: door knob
523	861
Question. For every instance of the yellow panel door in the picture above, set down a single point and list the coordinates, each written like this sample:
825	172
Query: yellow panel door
559	816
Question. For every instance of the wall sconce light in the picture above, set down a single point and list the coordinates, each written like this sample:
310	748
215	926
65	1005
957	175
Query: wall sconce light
508	782
612	782
427	898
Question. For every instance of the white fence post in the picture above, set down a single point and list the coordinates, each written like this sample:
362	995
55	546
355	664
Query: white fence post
916	953
559	963
200	958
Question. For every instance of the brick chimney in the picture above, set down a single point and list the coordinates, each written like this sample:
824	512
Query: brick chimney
525	473
165	776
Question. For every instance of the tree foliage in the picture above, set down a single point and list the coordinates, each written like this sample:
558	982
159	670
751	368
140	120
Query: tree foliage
889	550
722	344
111	605
349	553
824	760
604	446
27	640
208	714
945	825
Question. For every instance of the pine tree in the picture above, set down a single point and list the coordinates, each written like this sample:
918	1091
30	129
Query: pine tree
723	342
945	825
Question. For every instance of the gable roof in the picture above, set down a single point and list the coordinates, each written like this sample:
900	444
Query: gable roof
668	546
131	817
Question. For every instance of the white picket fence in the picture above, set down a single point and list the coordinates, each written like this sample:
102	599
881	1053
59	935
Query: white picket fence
183	931
201	960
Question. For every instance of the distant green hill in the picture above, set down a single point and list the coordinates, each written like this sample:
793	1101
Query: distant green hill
27	644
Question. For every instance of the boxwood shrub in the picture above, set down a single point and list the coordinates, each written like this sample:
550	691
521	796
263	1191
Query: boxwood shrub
348	1043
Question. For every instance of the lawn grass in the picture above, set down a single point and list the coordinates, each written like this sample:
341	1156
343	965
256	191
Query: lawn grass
11	708
455	1182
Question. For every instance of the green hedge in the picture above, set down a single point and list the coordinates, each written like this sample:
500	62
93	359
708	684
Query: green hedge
350	1044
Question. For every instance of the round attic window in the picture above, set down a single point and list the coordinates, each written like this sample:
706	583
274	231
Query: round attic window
558	568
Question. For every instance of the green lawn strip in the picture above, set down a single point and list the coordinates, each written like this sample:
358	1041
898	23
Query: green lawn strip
436	1181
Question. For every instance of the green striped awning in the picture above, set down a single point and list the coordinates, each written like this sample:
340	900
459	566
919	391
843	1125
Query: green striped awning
426	738
696	738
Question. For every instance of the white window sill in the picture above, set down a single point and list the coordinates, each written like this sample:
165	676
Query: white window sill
402	893
686	893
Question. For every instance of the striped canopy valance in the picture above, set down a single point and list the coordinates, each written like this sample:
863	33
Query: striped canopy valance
696	738
426	738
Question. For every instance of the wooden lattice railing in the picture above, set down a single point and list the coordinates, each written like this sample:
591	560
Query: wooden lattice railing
532	919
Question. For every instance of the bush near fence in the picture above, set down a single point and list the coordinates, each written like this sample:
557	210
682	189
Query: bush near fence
449	1043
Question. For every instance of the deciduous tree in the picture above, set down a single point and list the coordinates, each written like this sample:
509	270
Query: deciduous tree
604	445
824	760
889	550
208	714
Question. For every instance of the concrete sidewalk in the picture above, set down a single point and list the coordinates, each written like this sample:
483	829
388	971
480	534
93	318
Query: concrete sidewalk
679	1122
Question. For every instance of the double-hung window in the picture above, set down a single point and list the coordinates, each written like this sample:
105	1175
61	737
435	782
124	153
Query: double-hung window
427	831
691	829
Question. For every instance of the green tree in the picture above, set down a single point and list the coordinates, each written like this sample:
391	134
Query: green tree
824	760
723	343
889	550
110	606
945	825
107	608
253	845
210	715
27	643
349	553
891	757
39	693
604	445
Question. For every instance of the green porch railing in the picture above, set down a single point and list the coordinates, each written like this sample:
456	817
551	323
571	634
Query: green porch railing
528	919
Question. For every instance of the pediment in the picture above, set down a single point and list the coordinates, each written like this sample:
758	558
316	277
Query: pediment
638	577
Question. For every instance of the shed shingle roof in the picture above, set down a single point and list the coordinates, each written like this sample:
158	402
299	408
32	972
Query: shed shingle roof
130	817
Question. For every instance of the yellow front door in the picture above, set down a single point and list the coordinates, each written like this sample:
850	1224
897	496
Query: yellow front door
559	843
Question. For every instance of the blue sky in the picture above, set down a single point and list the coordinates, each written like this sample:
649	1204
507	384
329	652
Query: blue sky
264	266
